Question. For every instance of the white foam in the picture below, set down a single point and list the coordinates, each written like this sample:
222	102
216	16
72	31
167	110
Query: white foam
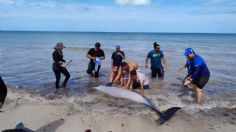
98	102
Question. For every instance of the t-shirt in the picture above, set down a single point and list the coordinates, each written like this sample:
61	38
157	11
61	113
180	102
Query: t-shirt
57	56
142	77
117	59
197	67
155	57
94	53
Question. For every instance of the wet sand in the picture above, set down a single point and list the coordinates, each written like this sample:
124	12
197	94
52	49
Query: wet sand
52	116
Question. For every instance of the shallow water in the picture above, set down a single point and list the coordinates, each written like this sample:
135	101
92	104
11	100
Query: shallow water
26	59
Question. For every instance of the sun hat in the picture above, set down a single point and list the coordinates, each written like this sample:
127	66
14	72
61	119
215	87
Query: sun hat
59	45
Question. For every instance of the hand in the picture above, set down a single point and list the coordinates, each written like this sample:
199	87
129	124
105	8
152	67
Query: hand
146	65
165	66
102	58
118	53
180	69
126	87
187	81
142	92
93	58
63	65
116	81
68	61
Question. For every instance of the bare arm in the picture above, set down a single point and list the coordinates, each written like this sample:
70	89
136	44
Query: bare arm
142	89
147	61
181	68
131	86
118	75
122	56
90	57
103	57
128	82
164	62
112	61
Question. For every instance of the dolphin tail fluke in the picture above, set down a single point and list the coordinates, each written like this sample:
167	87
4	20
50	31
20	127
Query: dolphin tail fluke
166	115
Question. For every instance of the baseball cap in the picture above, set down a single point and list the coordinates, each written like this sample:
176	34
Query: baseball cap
188	51
117	46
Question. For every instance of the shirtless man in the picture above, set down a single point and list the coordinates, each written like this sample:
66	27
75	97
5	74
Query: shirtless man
124	76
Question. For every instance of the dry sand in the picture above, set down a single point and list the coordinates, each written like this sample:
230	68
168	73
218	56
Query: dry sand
50	117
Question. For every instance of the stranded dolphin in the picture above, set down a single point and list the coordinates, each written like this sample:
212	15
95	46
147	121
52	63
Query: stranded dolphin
136	97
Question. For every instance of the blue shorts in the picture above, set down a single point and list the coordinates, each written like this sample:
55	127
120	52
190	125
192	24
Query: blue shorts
146	87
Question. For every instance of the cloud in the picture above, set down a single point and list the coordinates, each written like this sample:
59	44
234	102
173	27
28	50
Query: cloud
11	2
49	4
133	2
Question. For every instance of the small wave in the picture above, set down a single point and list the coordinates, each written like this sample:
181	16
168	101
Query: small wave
97	102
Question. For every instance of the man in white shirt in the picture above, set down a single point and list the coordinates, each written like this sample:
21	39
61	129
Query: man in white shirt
139	80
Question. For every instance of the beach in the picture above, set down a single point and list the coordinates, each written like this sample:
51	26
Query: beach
26	68
55	116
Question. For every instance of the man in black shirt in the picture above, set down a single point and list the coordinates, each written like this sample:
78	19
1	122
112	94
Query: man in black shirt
95	55
117	58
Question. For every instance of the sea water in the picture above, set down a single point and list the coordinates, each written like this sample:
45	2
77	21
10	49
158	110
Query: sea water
26	63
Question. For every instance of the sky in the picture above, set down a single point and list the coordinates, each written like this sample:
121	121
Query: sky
194	16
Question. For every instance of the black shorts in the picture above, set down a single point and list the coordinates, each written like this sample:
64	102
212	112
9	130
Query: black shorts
136	85
91	68
201	82
159	71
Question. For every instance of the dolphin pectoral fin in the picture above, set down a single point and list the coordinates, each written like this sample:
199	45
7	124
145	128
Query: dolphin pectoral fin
166	115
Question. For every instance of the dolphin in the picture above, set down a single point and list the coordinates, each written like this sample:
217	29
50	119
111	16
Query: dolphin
136	97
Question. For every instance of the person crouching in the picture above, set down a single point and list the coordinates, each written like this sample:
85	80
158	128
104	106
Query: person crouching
139	80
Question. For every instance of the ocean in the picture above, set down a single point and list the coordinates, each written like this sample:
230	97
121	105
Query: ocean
26	64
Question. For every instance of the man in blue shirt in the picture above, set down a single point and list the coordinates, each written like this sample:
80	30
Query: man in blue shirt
198	72
157	57
116	60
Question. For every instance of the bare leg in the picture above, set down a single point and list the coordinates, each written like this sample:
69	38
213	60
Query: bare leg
195	89
111	76
161	78
121	81
199	95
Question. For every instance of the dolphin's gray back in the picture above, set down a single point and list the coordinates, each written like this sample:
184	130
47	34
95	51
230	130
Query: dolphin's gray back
127	94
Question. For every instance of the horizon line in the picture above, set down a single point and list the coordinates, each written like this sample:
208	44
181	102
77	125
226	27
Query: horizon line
1	30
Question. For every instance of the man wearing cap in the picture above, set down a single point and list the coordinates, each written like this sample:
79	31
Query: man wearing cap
116	60
58	67
198	72
95	55
157	57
